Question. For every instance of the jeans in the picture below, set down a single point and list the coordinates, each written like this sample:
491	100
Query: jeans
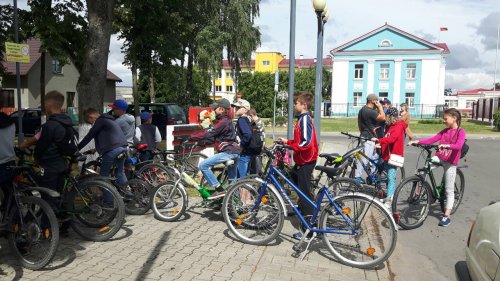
450	174
108	159
391	179
244	165
369	150
218	158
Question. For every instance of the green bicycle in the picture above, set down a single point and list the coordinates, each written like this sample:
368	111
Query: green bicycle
415	195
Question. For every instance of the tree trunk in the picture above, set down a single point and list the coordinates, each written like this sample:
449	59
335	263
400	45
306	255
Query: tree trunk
42	87
92	82
189	79
152	86
135	93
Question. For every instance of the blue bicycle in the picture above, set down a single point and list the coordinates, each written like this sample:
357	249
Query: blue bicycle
357	229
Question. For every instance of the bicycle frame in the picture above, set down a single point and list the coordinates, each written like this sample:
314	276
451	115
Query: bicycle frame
273	176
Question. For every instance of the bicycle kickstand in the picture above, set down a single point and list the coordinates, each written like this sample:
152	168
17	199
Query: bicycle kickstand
297	247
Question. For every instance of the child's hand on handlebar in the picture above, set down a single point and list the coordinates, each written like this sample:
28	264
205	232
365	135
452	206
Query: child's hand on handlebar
282	140
444	146
374	139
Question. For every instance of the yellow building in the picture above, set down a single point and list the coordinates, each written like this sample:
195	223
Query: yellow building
263	62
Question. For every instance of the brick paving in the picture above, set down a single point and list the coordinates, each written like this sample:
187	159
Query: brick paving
199	247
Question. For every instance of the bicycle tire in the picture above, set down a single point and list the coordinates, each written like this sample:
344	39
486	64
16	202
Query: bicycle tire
53	233
140	204
107	220
373	222
164	192
423	198
255	225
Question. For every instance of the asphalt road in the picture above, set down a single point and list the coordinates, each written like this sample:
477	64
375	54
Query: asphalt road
430	252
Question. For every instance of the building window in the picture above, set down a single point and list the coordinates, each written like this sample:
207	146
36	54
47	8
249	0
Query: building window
266	63
358	99
229	88
385	43
70	99
218	88
410	99
469	103
411	71
358	71
7	98
228	74
56	67
451	103
383	95
384	71
219	75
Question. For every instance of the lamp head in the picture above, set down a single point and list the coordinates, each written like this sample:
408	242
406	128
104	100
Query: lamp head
319	5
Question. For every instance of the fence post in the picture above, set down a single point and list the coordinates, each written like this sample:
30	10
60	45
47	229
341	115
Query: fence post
483	111
491	110
421	111
347	109
473	109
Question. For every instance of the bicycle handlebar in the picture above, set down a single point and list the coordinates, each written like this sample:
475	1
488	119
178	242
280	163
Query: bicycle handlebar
426	146
355	137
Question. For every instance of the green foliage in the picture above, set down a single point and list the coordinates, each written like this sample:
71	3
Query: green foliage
496	120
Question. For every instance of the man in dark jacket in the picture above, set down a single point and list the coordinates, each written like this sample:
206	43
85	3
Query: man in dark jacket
110	142
223	134
147	133
52	163
7	154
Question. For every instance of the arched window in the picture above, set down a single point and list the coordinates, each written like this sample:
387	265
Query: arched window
385	43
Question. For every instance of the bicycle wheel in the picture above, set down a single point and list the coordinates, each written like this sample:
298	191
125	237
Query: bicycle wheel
192	164
253	222
412	200
140	204
98	212
368	232
168	201
34	234
155	173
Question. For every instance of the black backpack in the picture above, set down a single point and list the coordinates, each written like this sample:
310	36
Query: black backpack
68	146
257	141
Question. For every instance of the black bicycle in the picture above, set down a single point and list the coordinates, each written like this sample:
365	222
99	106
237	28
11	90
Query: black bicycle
28	221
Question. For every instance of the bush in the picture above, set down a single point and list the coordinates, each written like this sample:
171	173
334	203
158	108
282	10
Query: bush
430	121
496	119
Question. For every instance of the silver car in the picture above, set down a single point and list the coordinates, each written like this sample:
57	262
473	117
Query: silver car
483	247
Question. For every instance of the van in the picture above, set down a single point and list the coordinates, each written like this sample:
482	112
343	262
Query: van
163	114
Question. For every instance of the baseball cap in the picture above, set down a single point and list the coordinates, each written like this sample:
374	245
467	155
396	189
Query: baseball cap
392	112
119	104
371	97
224	103
146	115
386	101
242	103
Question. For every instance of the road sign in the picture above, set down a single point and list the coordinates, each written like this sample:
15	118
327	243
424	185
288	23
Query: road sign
17	52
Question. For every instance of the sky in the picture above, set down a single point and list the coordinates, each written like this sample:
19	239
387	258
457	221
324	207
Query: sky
471	36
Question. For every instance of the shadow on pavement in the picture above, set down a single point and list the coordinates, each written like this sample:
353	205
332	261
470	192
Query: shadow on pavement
143	274
276	242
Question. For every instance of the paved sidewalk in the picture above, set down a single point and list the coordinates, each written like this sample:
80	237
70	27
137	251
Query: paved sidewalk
197	248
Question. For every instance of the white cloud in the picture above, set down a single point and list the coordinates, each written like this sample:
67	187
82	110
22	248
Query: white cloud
466	81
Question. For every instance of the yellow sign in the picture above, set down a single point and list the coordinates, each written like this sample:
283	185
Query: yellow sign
17	52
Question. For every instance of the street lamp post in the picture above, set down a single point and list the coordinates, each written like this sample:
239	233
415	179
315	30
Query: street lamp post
291	68
20	137
322	16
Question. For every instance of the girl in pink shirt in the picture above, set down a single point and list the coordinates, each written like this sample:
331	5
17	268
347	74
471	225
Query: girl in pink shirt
451	140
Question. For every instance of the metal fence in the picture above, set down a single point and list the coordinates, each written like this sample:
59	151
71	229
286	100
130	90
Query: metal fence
417	111
484	109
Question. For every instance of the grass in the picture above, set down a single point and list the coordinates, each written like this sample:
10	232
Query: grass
351	125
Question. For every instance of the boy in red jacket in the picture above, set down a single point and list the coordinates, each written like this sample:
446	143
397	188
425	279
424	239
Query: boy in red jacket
392	143
305	151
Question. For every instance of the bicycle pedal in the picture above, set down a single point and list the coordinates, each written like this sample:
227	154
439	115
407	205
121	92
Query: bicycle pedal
297	248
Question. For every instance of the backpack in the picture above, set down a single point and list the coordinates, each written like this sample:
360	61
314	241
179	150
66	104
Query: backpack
257	140
465	149
68	146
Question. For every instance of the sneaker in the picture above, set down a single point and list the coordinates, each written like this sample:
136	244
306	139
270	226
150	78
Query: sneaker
217	194
445	221
359	180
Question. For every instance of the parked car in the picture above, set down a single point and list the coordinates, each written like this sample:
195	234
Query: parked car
32	120
163	114
483	247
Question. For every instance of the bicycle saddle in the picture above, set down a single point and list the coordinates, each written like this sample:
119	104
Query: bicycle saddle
329	171
330	156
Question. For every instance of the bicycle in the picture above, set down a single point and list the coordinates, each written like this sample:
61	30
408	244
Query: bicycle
376	181
254	211
93	207
29	222
169	200
414	195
